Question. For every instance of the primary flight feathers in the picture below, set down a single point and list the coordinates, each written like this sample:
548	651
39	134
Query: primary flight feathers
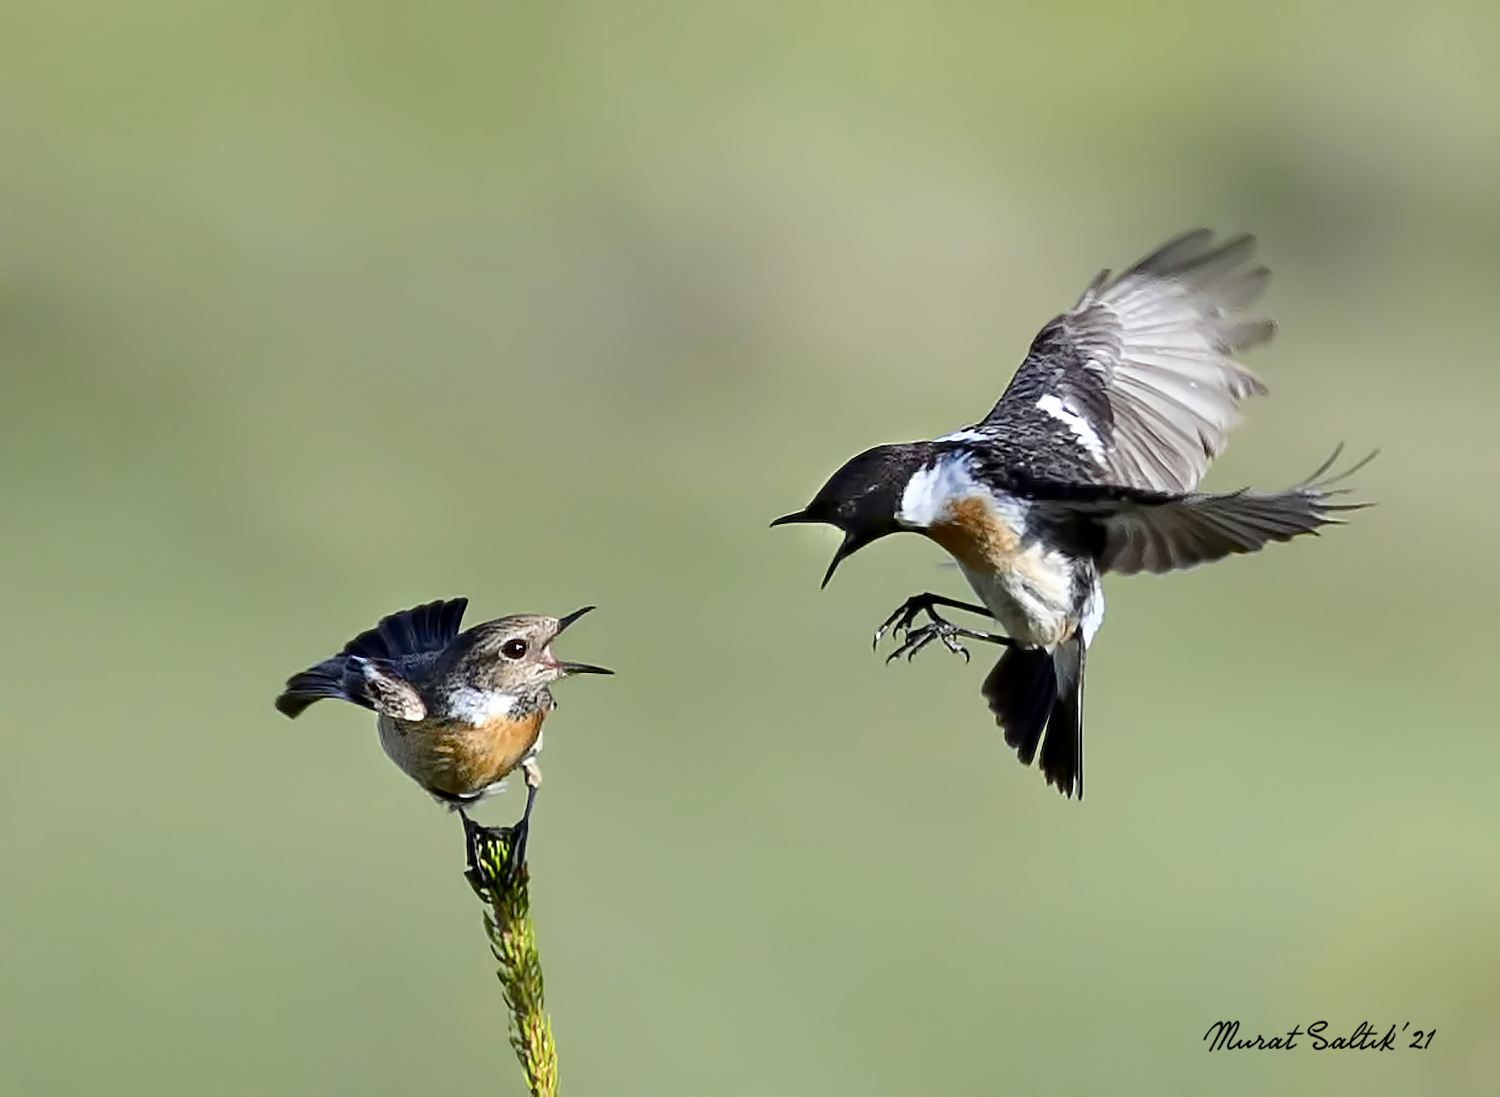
1168	531
1139	369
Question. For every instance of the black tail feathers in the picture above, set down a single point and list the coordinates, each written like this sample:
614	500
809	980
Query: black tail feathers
1021	691
426	629
1062	753
1034	690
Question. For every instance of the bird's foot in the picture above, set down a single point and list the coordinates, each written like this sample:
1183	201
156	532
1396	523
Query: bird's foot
899	624
946	631
518	836
480	839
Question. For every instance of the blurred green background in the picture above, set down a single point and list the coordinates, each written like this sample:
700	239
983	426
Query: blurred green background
313	311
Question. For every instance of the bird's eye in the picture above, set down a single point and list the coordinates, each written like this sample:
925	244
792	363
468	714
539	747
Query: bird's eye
513	649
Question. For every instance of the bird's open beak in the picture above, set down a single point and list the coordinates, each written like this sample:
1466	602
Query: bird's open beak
846	546
582	668
788	519
564	669
849	544
564	622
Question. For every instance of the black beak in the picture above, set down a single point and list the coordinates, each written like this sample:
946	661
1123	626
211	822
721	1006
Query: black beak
582	668
788	519
845	549
564	622
576	668
849	544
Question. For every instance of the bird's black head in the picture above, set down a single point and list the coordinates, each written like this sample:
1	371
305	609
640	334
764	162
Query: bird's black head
863	497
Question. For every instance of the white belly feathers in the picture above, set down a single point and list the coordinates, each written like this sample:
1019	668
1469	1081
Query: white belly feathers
1027	584
1032	600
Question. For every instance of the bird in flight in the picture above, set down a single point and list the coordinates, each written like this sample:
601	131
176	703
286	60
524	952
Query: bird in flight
1087	464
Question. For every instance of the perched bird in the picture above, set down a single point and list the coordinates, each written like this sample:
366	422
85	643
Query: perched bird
1086	465
456	711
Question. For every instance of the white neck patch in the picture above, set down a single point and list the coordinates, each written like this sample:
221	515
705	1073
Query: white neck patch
476	706
934	489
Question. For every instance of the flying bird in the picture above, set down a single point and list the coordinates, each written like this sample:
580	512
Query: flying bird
1087	464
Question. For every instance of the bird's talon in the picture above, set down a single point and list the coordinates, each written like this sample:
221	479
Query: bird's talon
902	620
901	627
951	643
917	639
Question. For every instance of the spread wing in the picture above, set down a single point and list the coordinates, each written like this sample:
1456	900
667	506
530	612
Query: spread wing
422	631
1137	378
374	667
1133	530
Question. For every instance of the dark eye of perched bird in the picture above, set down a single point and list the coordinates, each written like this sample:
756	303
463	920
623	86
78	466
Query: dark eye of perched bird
513	649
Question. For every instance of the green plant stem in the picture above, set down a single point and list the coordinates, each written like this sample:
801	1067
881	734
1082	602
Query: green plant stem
507	923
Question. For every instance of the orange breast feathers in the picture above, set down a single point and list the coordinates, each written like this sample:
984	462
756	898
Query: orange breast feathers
462	758
976	535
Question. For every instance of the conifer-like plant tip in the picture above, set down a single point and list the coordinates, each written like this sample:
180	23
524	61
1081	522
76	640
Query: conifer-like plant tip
507	923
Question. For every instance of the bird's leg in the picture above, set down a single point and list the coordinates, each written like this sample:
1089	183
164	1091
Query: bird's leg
472	833
522	830
514	839
938	628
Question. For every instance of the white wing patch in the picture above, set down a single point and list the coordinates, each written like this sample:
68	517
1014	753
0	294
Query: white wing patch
1082	429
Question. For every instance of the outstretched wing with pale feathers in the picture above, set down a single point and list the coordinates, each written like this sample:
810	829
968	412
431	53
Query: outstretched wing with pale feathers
1138	378
1130	530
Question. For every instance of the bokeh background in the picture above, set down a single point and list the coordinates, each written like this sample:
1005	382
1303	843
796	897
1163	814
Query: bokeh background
313	311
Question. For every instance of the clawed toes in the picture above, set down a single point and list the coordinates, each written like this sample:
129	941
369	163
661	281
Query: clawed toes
951	643
896	623
902	621
900	627
917	639
908	647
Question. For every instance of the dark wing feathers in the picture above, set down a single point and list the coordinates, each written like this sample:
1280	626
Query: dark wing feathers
1138	374
371	683
1157	532
373	667
424	630
326	680
1198	530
